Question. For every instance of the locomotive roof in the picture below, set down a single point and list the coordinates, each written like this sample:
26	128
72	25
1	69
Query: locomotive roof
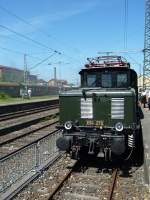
103	63
97	69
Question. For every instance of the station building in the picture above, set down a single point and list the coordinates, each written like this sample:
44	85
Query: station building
10	74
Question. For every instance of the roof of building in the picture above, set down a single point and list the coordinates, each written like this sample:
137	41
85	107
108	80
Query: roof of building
9	84
58	80
10	68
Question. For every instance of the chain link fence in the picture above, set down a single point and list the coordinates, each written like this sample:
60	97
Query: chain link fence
28	159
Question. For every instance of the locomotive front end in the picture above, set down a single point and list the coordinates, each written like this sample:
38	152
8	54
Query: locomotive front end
100	121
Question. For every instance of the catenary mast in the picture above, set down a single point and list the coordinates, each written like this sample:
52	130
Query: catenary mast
146	67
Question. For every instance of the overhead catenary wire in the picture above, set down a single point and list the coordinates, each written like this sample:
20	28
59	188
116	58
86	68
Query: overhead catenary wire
40	30
18	40
36	42
125	23
12	51
19	52
28	38
29	53
127	52
140	65
45	59
133	59
122	51
24	21
23	53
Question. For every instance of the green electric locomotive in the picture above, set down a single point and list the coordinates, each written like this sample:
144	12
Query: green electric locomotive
103	118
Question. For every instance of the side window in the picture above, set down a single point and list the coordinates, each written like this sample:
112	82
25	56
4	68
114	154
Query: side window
122	80
91	80
83	80
106	80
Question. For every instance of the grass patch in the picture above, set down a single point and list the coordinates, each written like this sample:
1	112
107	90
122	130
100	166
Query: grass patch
4	96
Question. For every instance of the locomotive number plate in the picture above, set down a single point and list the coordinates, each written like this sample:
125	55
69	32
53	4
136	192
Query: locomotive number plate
97	123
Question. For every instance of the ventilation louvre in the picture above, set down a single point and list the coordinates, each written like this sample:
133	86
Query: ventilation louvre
117	108
86	107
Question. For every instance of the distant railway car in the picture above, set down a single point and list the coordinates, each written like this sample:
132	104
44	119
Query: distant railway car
102	119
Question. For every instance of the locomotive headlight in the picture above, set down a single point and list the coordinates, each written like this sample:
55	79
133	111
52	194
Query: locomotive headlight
68	125
119	126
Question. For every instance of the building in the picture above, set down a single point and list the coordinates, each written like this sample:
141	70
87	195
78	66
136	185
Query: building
140	81
41	82
32	79
57	83
9	74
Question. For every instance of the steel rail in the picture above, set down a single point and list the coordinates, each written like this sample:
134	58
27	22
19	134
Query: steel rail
26	112
12	194
59	186
27	145
67	176
8	191
27	133
16	127
114	178
4	109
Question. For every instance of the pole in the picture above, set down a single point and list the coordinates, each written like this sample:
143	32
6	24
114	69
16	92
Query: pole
146	67
25	73
55	76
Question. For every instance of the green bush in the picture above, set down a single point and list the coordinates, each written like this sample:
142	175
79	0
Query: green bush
4	95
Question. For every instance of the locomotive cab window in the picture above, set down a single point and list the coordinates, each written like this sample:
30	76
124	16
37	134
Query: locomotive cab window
91	80
106	80
122	80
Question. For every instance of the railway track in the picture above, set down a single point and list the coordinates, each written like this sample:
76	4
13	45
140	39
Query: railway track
18	168
18	132
114	180
68	180
21	145
16	108
111	184
28	137
21	138
87	185
8	138
7	116
19	123
46	183
36	151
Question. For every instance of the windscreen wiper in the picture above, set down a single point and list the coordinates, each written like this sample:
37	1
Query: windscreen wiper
84	92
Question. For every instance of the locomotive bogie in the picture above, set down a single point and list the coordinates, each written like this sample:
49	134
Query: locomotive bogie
110	146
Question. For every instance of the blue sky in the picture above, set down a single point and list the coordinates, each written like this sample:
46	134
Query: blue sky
77	28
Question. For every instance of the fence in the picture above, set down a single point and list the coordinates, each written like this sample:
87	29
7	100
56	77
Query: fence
28	159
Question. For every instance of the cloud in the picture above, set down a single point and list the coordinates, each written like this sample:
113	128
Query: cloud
39	21
61	15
